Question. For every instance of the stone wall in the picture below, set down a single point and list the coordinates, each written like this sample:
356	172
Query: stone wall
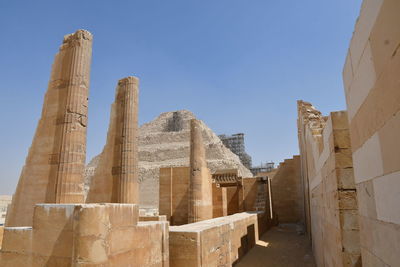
255	194
87	234
372	88
173	194
220	206
287	192
328	174
216	242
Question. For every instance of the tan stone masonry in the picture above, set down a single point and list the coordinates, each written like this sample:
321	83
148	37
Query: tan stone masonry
53	171
200	190
116	177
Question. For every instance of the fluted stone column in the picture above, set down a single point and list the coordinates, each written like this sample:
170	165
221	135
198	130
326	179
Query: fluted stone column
128	97
73	119
53	171
116	176
200	187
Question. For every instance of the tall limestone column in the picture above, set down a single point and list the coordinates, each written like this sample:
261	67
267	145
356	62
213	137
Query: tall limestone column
53	171
116	176
200	185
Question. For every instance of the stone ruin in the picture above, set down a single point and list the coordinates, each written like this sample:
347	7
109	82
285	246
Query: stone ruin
344	186
52	221
165	142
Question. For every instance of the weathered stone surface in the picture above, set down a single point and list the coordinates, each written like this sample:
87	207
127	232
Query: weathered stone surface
116	177
86	235
329	187
53	171
200	190
216	242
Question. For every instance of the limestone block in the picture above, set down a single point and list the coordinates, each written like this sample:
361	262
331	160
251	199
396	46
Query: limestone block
366	199
343	158
387	197
331	216
53	216
214	246
385	34
330	183
370	260
122	215
184	248
381	239
12	259
123	239
331	245
52	242
390	144
345	178
384	97
368	160
363	28
348	219
364	80
351	241
153	218
17	239
350	260
92	220
216	242
341	138
347	200
90	249
339	120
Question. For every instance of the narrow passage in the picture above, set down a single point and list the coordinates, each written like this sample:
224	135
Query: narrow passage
281	246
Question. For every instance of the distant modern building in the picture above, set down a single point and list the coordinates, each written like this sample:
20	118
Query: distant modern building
5	200
235	143
266	167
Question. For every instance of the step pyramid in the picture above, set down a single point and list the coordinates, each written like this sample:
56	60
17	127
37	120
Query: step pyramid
164	142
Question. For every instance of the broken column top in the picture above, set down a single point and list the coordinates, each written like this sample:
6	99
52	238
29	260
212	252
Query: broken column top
74	39
128	80
79	34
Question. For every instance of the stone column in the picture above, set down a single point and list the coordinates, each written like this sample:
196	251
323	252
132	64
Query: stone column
53	171
73	118
200	188
116	176
128	188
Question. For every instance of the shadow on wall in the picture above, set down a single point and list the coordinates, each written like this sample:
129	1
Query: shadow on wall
287	197
180	216
247	242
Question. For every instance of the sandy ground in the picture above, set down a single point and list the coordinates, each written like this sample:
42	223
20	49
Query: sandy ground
281	246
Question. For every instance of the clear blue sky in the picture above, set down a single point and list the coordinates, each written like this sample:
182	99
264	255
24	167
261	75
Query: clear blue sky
238	65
